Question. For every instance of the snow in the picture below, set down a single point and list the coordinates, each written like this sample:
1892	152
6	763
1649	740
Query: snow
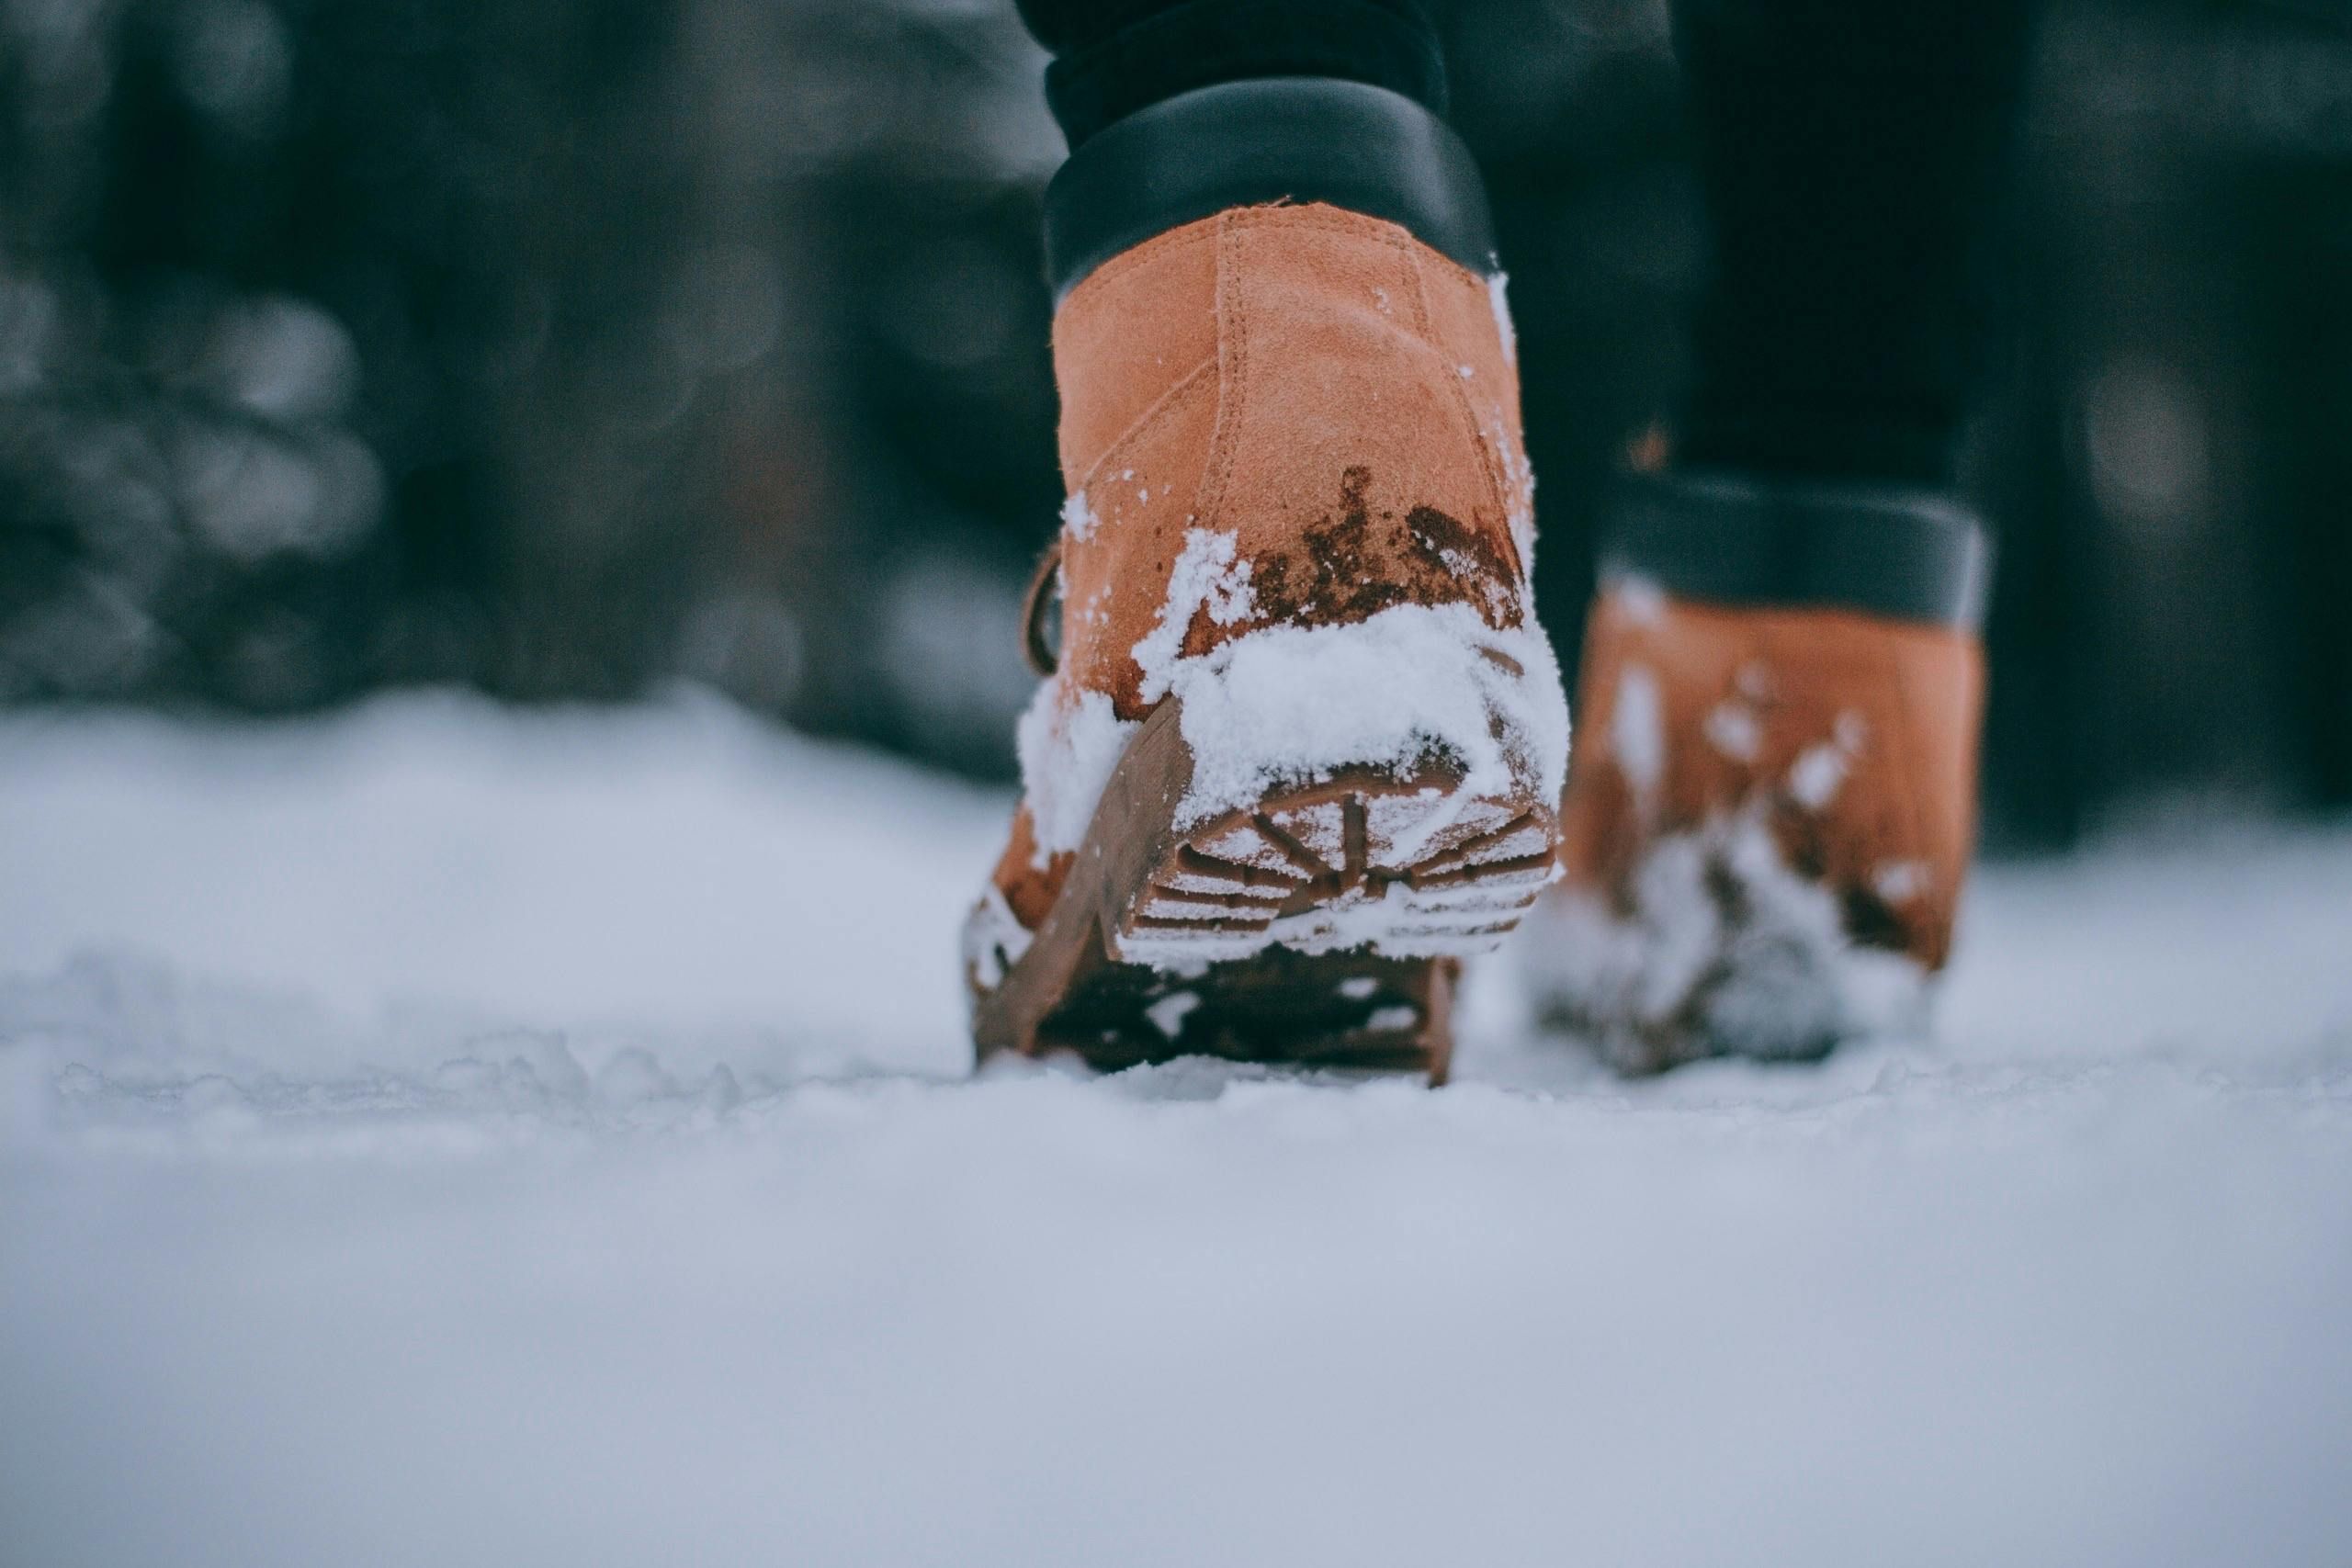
1817	774
1167	1014
1637	728
1782	977
1734	729
994	938
1207	577
1900	881
1077	517
1071	739
1291	701
1498	301
444	1136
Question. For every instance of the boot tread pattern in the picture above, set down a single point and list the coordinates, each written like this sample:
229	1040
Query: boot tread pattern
1397	869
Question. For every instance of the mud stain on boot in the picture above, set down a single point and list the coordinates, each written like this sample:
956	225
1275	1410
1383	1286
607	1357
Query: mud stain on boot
1354	563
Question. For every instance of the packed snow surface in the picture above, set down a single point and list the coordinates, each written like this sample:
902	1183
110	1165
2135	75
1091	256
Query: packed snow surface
437	1136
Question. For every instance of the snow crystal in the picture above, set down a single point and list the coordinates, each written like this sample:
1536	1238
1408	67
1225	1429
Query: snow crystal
1078	517
1356	987
1497	283
1069	742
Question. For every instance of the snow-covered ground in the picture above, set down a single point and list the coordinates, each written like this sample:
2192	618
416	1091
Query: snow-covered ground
440	1136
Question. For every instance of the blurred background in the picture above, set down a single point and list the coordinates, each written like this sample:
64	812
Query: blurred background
565	349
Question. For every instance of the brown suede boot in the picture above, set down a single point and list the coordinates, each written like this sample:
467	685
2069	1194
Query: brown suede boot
1301	750
1770	810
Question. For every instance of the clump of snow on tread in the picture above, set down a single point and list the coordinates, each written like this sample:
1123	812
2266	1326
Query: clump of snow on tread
1290	704
1068	745
1723	943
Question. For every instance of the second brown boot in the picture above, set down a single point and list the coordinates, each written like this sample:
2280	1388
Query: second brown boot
1770	810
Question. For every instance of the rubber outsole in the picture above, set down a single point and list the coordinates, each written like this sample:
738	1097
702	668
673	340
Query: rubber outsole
1323	926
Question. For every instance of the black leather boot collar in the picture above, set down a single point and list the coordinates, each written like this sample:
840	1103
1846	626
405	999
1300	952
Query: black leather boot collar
1736	538
1276	139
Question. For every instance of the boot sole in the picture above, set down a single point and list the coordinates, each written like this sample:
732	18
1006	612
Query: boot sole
1323	926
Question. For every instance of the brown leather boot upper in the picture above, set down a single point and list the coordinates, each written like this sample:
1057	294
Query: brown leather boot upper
1283	415
1318	384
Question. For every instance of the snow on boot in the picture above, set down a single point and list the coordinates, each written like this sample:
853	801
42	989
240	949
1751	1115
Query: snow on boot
1301	748
1773	796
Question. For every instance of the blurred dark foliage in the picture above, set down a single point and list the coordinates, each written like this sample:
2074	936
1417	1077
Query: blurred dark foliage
567	347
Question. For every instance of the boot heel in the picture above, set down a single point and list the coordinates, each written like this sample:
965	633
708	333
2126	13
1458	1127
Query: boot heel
1323	925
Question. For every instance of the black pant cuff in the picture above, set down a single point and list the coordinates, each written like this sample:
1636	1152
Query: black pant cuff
1277	138
1203	43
